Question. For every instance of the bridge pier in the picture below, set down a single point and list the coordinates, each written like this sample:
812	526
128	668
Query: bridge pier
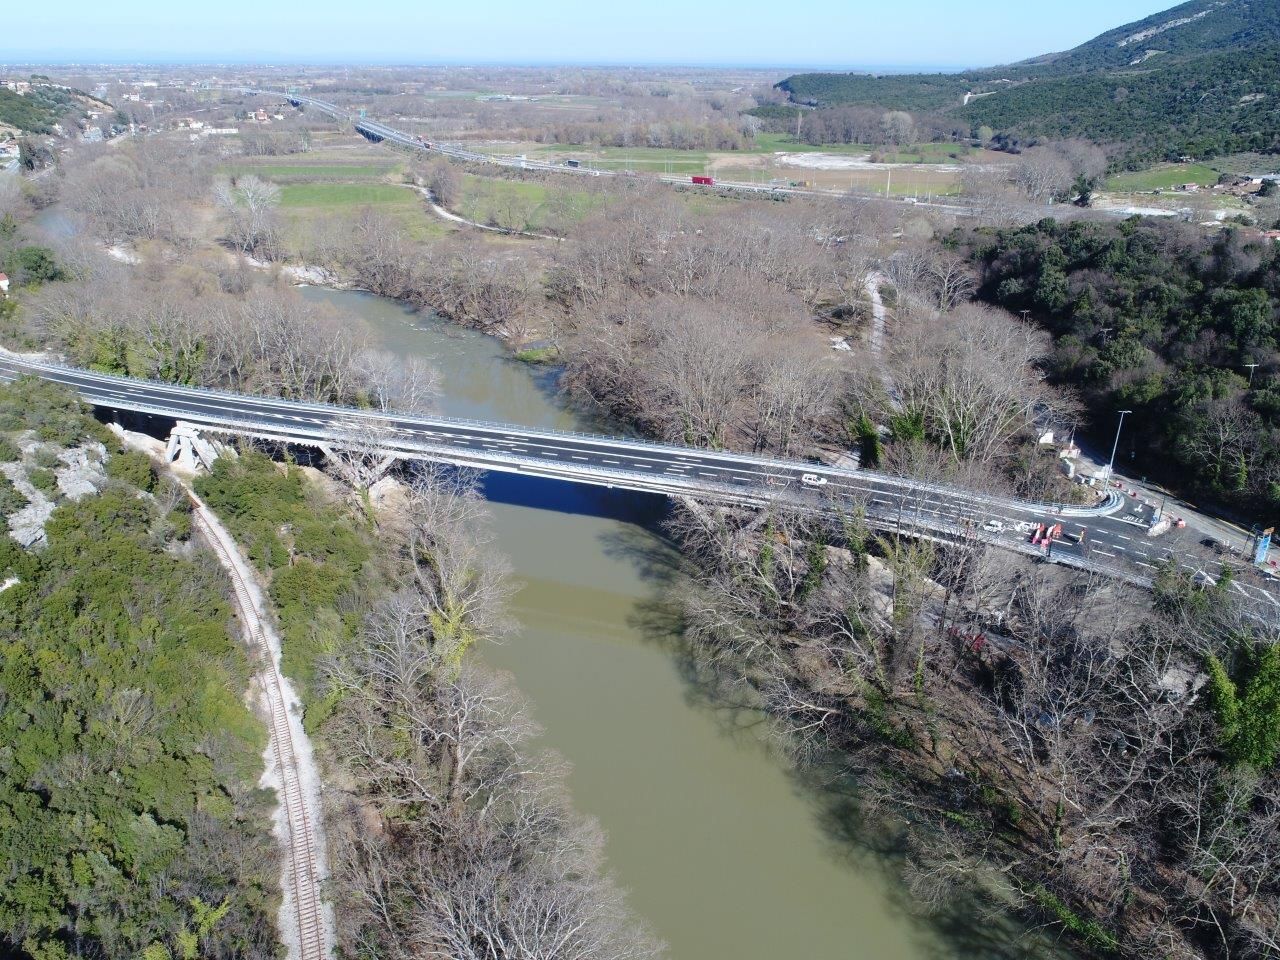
361	465
191	451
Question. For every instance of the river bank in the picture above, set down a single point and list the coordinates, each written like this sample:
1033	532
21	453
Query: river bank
724	850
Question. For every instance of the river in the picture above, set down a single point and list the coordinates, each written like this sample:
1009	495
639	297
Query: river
724	853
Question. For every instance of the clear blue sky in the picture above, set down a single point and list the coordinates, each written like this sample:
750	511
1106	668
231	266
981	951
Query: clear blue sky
851	33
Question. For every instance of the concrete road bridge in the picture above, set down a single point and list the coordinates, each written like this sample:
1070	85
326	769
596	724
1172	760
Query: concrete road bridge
1112	536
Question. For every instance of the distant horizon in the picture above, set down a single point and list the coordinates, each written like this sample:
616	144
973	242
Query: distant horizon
930	36
160	61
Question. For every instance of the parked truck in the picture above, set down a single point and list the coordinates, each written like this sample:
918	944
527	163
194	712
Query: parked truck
704	181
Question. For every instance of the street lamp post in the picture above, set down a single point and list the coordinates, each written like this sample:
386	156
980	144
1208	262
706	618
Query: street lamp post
1115	446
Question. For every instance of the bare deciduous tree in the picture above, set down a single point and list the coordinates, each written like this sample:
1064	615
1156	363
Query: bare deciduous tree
249	206
972	377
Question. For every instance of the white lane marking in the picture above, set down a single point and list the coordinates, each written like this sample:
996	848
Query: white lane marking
576	457
268	408
612	462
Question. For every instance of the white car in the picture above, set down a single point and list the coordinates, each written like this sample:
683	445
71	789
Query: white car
813	480
993	526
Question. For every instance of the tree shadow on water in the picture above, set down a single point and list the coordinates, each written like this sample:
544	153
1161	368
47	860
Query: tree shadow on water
863	832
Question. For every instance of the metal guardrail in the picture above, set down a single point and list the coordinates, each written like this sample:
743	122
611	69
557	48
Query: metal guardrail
904	485
897	518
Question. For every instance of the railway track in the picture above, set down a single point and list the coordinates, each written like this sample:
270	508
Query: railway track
303	909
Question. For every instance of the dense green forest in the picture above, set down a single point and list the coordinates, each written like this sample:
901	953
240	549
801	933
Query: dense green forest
1158	318
1205	86
920	91
315	553
1225	103
130	823
1207	25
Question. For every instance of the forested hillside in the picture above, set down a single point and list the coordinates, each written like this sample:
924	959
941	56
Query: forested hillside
1201	79
130	824
1157	318
1183	32
1225	103
935	91
39	110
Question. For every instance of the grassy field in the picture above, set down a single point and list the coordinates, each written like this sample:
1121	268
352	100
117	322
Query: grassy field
651	154
647	165
904	183
317	171
344	195
915	153
305	204
522	205
1164	176
688	162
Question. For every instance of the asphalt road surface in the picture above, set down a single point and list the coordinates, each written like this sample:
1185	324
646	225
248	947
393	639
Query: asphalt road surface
1111	538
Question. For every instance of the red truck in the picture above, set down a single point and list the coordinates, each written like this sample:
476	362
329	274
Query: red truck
704	181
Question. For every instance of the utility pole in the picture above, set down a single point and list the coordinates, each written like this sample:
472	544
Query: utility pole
1115	446
1252	367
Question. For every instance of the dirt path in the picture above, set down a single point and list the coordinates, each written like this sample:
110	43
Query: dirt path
444	214
879	330
306	919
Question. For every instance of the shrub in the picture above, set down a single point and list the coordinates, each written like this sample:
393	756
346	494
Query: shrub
8	451
538	355
11	499
1246	706
1091	932
134	468
44	480
46	458
180	521
54	412
28	265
